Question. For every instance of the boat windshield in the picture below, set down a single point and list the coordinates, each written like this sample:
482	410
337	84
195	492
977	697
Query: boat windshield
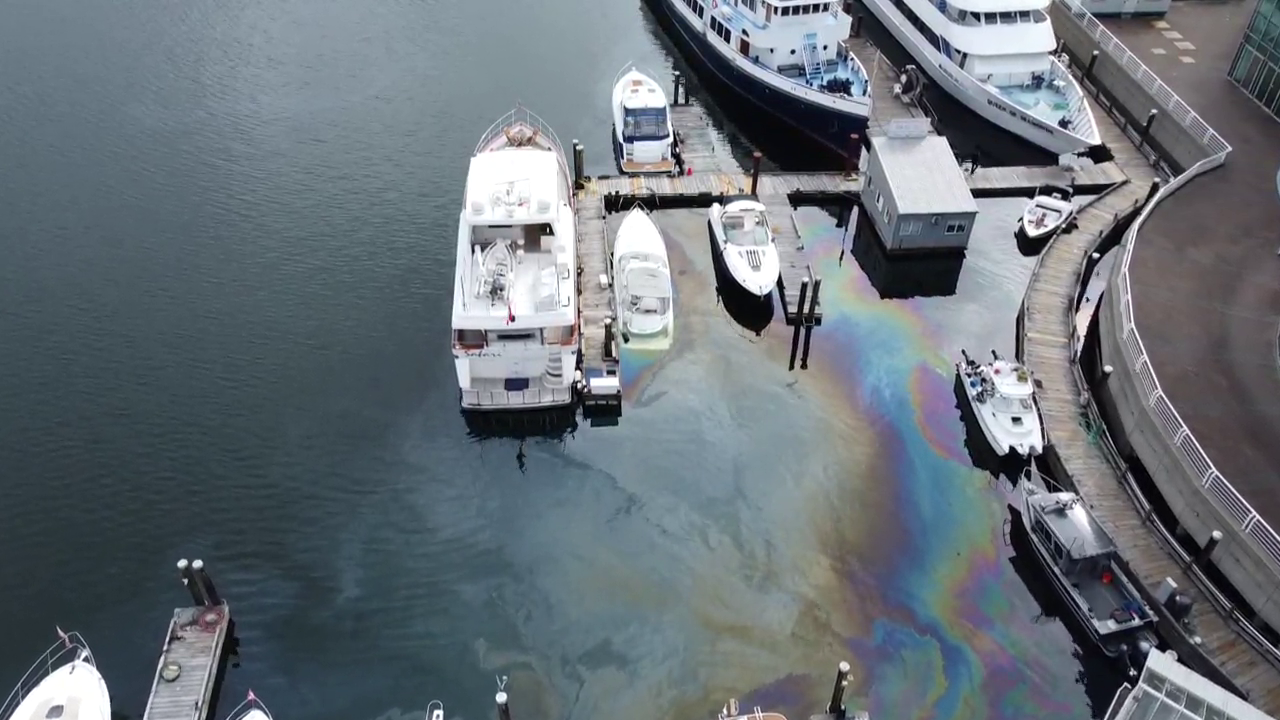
746	229
644	124
1007	404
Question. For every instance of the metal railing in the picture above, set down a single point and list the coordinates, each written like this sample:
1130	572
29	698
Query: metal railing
70	648
522	117
1189	451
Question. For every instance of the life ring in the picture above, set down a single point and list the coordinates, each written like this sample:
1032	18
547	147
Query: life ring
211	619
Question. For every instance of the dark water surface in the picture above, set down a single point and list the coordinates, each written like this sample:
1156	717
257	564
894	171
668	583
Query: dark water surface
227	240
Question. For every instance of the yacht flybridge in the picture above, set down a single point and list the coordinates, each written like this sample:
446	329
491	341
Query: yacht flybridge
997	57
787	57
515	305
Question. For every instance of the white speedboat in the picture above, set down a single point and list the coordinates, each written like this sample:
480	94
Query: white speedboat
642	281
515	300
1002	394
1047	212
745	241
64	684
642	133
251	709
997	57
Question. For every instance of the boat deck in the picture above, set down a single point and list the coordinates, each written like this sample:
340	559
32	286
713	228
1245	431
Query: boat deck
191	664
661	167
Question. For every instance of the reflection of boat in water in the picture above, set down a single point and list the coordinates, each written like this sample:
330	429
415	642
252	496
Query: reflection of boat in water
64	684
748	311
1081	559
1002	394
642	282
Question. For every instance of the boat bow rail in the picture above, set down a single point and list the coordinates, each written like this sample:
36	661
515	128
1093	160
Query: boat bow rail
70	647
508	128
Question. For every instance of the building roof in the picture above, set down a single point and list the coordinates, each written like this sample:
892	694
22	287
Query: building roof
1170	691
922	175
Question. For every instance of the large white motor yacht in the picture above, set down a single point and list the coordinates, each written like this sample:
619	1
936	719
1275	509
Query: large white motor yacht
515	305
997	57
64	684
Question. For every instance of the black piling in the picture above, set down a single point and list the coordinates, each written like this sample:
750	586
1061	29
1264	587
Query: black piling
1206	552
1151	119
1155	188
206	582
608	338
755	170
193	586
810	320
852	155
836	706
579	165
1093	60
504	710
798	316
857	20
676	80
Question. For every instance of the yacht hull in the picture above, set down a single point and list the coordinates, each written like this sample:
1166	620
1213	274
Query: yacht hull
970	92
76	685
825	125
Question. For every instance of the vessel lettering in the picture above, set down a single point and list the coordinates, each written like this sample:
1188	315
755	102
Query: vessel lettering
1014	113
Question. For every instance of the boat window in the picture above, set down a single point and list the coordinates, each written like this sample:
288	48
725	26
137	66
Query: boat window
1024	16
514	336
746	228
54	712
472	339
1057	550
645	124
1008	18
786	11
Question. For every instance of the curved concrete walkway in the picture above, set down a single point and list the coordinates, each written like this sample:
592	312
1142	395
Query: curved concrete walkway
1205	273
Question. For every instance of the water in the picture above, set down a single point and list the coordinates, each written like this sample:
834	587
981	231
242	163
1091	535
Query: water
227	239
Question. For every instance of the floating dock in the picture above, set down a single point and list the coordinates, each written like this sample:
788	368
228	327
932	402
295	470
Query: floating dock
193	656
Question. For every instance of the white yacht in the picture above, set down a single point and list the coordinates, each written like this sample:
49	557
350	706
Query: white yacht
642	282
788	57
997	57
747	248
1047	212
515	305
642	133
251	709
64	684
1002	395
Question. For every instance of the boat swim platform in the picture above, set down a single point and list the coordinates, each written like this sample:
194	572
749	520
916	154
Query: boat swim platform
193	657
1082	459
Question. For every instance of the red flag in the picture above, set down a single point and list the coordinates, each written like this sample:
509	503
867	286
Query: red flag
511	315
65	640
252	697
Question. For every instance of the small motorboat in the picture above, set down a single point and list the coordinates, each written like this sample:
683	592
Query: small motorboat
642	133
642	280
64	684
748	251
1002	394
1048	212
251	709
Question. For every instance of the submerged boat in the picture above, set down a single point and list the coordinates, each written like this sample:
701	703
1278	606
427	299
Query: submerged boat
642	281
1002	395
251	709
1048	212
515	300
1080	558
748	251
997	57
642	133
64	684
788	58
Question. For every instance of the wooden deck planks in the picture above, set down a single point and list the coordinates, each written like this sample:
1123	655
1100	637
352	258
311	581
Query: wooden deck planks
795	265
885	108
704	149
1047	351
196	647
595	259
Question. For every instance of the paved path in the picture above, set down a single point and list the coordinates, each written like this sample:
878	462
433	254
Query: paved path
1205	270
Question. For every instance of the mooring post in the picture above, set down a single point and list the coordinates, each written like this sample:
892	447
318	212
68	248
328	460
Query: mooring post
755	170
1093	60
1206	552
1151	119
675	87
206	582
857	20
798	317
504	710
579	165
810	320
190	582
608	338
1155	188
852	154
836	706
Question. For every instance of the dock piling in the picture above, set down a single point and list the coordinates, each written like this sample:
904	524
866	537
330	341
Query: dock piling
836	706
206	583
1206	552
755	170
193	586
1155	188
799	322
810	319
1146	127
579	165
1093	60
676	79
504	710
608	338
852	154
857	20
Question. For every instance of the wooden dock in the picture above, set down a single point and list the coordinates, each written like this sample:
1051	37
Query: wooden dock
601	389
885	107
1047	347
192	658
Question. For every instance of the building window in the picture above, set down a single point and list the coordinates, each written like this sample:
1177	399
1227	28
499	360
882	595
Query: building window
879	201
888	216
956	227
912	227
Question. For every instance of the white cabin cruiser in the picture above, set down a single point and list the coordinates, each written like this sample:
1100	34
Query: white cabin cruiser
1002	394
642	133
747	248
251	709
997	57
515	301
64	684
642	282
1047	212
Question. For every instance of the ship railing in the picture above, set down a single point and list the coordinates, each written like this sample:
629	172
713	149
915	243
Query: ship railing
522	117
70	647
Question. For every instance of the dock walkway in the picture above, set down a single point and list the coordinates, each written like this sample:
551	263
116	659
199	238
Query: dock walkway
1046	339
885	107
191	664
